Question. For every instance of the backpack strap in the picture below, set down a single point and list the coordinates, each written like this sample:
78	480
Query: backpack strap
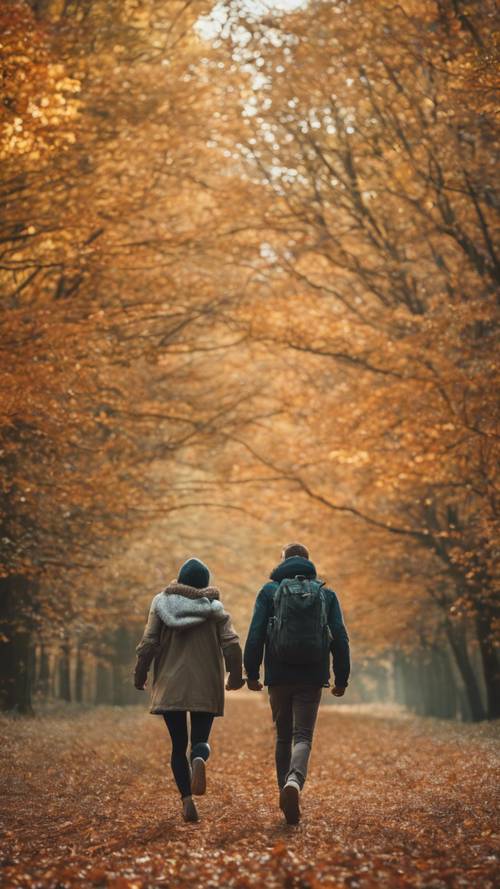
320	584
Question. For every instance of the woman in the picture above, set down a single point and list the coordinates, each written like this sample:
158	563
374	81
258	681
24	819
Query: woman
188	634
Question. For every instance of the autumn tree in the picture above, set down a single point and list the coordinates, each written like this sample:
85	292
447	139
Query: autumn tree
372	233
110	313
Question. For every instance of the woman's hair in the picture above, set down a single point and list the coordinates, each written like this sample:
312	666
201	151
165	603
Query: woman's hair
295	549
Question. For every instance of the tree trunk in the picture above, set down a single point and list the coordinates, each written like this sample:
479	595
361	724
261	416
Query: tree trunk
491	667
458	645
429	683
420	672
65	672
79	675
103	693
382	683
446	686
412	690
424	683
16	650
43	683
399	681
123	656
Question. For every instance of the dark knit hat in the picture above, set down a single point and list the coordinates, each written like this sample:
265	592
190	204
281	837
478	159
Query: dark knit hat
295	549
194	573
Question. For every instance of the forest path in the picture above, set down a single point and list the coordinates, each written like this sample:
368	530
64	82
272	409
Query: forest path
88	800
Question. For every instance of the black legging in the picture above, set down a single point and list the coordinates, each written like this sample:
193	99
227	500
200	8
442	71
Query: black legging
201	723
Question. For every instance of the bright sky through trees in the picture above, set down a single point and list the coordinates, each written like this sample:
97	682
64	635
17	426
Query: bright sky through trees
210	26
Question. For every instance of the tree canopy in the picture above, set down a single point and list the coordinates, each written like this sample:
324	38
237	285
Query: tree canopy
250	274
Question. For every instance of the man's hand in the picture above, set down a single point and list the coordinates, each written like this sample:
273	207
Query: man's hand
233	684
254	685
140	687
338	691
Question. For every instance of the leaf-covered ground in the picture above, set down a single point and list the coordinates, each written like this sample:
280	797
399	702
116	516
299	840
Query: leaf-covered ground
88	800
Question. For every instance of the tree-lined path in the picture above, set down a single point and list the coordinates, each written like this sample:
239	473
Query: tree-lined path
249	268
391	802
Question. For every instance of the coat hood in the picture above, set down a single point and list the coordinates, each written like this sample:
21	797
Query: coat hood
292	567
190	592
181	607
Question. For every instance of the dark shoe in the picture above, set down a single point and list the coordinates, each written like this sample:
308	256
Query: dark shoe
199	776
289	802
189	810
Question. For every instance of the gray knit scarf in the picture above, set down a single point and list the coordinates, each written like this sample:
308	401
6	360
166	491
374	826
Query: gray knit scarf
181	607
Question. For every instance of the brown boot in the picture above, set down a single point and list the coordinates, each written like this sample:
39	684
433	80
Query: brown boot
189	810
198	777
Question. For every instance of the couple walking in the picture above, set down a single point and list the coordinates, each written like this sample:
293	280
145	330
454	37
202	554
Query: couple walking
296	626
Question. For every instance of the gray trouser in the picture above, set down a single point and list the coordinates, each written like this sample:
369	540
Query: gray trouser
294	709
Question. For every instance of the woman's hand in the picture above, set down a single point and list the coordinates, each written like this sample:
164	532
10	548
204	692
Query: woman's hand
140	675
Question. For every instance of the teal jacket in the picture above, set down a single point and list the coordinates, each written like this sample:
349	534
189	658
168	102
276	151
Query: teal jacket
279	673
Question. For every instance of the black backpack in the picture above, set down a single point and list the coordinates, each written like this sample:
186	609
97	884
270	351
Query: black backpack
298	632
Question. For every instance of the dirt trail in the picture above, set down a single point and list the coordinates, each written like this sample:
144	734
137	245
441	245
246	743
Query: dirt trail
88	800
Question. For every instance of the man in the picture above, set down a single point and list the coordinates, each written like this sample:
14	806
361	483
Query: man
294	673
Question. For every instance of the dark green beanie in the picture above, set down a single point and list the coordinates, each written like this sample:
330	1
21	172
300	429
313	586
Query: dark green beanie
194	573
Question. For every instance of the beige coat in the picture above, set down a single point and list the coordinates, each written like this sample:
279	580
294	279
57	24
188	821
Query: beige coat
189	636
